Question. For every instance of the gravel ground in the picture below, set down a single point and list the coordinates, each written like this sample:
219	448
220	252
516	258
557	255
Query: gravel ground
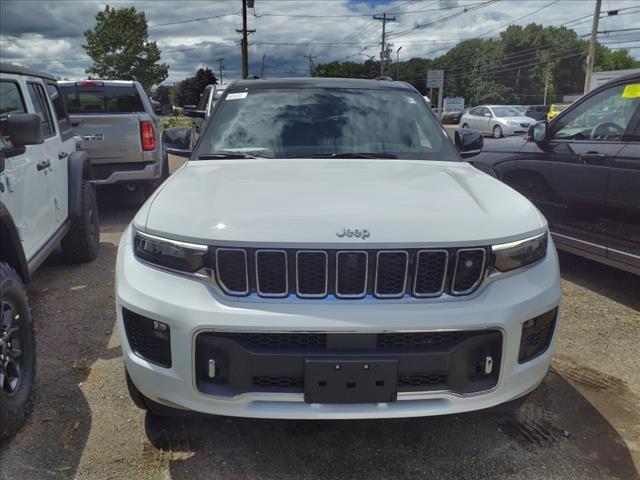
583	421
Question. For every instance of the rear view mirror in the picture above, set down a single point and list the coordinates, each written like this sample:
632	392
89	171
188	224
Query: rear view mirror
24	129
468	142
177	141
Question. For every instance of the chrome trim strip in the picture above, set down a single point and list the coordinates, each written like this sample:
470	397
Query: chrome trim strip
246	271
406	273
175	243
366	274
286	272
517	243
444	275
300	397
480	277
326	275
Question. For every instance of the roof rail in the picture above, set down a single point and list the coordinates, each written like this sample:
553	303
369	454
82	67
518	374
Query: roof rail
384	78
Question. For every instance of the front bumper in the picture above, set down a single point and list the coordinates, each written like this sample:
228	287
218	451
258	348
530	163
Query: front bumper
190	307
508	130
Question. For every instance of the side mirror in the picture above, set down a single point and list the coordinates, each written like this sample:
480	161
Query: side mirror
468	142
488	115
177	141
538	132
24	129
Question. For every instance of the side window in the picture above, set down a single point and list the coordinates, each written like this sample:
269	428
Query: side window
202	105
58	105
36	92
10	102
603	117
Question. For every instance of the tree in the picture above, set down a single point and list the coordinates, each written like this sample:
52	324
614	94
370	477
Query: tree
511	69
162	94
120	50
190	89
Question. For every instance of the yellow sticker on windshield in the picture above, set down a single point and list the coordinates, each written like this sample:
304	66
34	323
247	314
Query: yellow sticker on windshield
631	91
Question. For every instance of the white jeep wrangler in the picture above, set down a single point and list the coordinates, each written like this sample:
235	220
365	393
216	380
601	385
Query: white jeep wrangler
46	201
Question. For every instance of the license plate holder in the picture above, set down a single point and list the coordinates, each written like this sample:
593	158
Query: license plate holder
350	381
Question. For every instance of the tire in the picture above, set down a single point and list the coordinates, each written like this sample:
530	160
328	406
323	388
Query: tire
497	132
82	241
464	125
134	393
17	370
165	168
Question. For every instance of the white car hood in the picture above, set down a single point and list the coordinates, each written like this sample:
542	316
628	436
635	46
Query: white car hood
306	201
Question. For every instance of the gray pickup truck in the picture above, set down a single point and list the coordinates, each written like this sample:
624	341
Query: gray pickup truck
119	130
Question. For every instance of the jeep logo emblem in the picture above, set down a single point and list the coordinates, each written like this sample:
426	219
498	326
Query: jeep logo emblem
357	233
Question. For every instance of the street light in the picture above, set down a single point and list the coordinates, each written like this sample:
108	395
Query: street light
398	60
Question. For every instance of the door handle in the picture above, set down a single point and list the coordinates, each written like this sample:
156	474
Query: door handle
594	158
43	165
62	155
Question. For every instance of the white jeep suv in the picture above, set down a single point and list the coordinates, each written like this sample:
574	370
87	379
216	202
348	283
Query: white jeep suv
326	253
46	201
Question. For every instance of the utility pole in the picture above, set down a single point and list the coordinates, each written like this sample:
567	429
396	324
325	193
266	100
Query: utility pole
262	69
546	86
311	67
384	18
592	47
244	43
220	67
398	60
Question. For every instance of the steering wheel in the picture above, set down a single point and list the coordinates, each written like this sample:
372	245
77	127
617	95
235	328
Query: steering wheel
604	130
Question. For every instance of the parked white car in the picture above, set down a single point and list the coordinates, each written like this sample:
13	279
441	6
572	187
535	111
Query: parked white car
326	253
497	120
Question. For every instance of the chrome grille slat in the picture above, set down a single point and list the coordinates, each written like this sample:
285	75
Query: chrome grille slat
398	283
227	267
355	276
463	275
272	280
434	263
305	269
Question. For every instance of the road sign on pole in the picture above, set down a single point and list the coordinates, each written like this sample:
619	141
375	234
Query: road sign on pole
435	78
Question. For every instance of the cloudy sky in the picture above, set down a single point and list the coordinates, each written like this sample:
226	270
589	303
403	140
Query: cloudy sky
47	35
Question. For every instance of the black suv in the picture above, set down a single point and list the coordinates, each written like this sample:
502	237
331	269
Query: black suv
582	170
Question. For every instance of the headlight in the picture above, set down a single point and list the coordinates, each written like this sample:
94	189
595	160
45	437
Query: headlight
513	255
512	122
172	254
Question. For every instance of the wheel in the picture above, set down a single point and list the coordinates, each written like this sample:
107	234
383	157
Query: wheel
497	132
17	353
82	241
465	125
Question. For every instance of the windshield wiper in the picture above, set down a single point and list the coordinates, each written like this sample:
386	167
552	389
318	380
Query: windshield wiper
225	156
348	155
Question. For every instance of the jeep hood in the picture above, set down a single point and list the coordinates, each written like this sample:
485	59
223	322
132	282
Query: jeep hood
306	201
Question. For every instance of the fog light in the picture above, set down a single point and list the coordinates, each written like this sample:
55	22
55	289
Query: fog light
159	326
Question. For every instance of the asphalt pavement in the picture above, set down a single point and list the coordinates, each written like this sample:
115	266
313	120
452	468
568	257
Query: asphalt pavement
583	422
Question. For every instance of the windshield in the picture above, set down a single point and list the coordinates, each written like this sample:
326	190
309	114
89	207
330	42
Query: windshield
506	112
282	123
